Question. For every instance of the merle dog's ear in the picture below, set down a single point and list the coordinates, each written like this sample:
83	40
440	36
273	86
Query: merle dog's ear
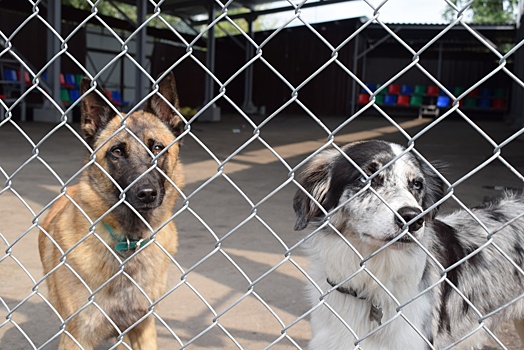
164	107
434	186
316	180
95	112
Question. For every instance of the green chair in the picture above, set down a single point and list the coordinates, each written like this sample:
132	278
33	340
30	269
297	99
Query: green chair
382	92
419	90
470	102
499	92
415	100
458	90
64	96
78	79
379	99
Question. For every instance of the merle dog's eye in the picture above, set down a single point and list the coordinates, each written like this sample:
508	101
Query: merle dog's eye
417	185
157	149
361	181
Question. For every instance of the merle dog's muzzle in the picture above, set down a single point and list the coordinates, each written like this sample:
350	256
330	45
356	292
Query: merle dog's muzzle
408	214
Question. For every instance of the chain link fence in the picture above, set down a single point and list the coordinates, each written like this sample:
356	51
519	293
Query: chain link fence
238	277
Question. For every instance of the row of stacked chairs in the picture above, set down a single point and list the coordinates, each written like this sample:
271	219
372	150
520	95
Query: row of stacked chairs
13	76
70	90
69	86
418	95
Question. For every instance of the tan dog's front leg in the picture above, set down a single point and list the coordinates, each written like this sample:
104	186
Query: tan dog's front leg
143	336
67	343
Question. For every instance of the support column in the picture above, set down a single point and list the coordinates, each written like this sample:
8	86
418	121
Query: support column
140	81
212	113
248	106
48	113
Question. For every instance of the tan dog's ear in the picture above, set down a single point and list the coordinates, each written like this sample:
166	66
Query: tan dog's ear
164	107
96	113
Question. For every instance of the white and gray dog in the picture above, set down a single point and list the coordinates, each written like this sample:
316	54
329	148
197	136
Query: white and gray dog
391	273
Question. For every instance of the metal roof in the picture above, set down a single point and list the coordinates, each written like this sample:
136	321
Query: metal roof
193	8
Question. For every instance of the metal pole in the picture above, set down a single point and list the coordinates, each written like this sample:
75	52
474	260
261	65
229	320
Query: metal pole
354	83
248	105
439	62
210	57
212	112
141	6
54	16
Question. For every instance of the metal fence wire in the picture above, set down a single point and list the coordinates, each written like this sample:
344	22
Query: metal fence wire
239	275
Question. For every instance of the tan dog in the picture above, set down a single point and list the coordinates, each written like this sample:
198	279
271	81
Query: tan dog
105	271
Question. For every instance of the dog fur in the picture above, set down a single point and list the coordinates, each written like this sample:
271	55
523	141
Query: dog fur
98	291
377	242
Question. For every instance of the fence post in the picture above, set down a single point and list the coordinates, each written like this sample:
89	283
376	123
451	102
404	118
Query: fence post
141	6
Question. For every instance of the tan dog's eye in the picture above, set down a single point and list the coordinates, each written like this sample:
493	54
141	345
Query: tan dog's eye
117	152
157	149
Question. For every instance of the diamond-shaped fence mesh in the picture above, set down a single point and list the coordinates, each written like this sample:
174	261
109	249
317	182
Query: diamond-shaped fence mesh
257	108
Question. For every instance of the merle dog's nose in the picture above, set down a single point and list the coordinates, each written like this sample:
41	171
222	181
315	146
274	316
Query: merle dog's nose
408	213
147	195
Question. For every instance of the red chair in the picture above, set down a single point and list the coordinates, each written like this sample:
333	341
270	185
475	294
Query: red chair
363	99
27	78
499	103
403	100
394	89
432	90
474	93
64	83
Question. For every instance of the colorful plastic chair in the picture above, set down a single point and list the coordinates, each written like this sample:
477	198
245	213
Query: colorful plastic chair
415	100
484	103
403	100
406	90
419	90
10	75
443	101
64	96
390	99
363	98
394	89
486	92
458	90
498	103
370	86
74	95
499	92
474	93
432	90
470	102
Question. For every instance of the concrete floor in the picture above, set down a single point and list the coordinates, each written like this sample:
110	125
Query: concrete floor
255	246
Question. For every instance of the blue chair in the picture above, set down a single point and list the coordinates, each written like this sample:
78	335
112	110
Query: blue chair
406	90
484	103
443	93
116	98
70	80
74	95
486	92
390	100
370	86
443	101
10	75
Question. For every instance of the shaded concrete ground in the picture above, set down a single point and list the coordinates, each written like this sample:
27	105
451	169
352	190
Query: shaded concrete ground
218	308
